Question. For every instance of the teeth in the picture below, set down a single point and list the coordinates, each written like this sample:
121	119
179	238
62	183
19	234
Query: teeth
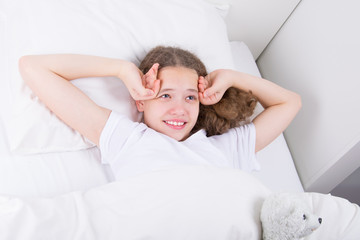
175	123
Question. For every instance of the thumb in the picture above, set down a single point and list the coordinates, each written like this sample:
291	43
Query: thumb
207	100
141	93
149	93
209	92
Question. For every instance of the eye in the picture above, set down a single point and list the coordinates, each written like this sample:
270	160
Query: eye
165	95
191	98
304	217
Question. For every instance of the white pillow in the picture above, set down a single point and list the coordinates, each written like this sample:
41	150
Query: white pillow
222	6
113	28
176	203
243	59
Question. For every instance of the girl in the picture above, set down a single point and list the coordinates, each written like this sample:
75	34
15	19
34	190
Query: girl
190	117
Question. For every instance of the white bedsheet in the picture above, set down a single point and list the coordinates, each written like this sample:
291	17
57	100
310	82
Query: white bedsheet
278	171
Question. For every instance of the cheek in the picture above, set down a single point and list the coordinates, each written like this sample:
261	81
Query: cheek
154	110
195	110
151	105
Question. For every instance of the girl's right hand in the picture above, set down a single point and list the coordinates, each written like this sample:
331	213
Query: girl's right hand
140	86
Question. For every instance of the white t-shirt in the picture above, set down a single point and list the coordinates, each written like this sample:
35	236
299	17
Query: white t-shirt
132	148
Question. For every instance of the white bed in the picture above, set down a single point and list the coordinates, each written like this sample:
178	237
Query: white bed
44	165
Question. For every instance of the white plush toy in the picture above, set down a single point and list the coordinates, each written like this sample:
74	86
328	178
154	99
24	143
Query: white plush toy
287	216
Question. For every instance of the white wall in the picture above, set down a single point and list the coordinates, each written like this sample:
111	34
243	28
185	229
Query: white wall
256	22
317	54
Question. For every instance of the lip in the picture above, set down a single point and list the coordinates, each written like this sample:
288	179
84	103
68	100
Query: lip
175	124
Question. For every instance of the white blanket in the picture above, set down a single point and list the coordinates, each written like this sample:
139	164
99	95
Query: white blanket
191	202
178	203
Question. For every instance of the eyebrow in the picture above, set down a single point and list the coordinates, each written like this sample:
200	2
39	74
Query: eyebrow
171	90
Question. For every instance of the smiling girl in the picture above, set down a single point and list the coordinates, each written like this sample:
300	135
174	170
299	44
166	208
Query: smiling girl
190	116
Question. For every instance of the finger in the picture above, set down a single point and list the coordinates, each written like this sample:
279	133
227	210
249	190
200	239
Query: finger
209	92
204	100
204	84
156	86
155	67
153	70
201	79
140	94
151	75
201	87
212	99
150	93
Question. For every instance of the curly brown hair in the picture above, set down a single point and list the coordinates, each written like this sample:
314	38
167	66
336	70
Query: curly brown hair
235	107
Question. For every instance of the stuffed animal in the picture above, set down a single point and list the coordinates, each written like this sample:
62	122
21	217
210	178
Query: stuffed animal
287	216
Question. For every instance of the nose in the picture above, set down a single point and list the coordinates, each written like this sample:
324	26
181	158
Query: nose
177	108
320	220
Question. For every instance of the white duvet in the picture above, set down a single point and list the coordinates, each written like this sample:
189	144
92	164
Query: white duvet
177	203
191	202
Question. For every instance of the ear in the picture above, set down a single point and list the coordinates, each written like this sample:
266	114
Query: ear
140	105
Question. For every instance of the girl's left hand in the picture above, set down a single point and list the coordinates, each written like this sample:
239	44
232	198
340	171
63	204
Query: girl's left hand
213	86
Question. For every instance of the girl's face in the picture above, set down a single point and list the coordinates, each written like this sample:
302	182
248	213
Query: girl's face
175	109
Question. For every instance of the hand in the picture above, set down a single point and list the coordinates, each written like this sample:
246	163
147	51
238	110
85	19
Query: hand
140	86
213	86
150	81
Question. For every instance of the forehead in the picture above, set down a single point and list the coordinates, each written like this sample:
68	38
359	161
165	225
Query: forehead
178	76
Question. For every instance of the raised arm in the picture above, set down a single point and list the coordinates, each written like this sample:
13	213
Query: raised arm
281	105
48	76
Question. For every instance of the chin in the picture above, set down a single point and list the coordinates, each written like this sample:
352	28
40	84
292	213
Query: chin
178	138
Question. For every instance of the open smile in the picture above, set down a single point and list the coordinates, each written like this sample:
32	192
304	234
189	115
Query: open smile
175	124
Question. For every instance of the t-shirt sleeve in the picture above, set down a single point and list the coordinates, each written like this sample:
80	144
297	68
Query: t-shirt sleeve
238	144
114	136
